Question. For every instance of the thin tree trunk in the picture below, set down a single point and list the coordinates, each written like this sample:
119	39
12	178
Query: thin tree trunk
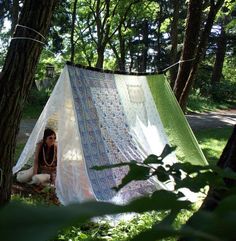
190	45
16	79
120	56
122	62
143	64
15	14
219	62
174	42
72	56
200	52
100	59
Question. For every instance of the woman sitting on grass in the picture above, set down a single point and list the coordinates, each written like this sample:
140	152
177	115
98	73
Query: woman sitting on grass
45	161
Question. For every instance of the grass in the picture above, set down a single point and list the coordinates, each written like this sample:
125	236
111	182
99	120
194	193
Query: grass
198	104
213	141
19	148
32	111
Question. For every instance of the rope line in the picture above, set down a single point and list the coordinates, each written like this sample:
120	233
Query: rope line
22	26
180	61
28	39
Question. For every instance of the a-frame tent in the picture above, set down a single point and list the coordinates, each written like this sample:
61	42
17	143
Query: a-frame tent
102	117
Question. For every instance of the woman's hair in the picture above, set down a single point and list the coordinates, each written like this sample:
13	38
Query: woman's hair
48	132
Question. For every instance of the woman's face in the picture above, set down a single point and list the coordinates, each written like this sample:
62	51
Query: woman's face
50	140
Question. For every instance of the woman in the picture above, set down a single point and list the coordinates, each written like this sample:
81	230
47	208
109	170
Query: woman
45	160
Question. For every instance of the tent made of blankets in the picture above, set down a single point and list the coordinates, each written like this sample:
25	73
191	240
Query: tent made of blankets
101	118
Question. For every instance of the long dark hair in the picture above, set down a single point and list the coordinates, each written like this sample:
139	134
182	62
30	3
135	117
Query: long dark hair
47	132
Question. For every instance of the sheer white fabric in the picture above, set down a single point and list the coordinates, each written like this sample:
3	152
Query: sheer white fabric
72	184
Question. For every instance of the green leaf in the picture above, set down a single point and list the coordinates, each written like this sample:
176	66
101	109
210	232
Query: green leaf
161	174
227	205
152	159
199	181
190	168
43	223
98	168
136	172
166	151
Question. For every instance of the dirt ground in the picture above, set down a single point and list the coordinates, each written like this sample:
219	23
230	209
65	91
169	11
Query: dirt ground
216	119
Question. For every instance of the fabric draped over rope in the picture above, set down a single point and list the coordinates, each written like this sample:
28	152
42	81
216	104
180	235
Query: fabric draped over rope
104	118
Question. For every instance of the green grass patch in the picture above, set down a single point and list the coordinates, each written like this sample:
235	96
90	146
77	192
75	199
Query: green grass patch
197	103
213	141
32	111
35	103
19	149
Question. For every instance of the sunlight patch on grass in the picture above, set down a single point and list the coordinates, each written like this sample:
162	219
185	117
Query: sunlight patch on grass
213	141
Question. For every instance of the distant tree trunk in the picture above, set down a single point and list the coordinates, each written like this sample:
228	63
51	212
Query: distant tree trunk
122	61
15	14
219	61
72	56
103	30
160	20
120	55
214	8
100	59
16	79
143	62
190	45
174	41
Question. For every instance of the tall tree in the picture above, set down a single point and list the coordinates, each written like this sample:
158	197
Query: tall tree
187	70
16	79
190	45
72	56
219	61
174	40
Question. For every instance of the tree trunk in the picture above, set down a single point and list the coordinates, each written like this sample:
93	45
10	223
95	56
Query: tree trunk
122	61
72	55
219	62
190	45
100	59
143	62
200	52
16	79
174	42
15	14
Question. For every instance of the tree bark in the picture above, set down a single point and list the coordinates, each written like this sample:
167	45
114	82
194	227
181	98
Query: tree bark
143	59
219	61
214	8
119	52
190	45
15	14
174	41
72	55
16	79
